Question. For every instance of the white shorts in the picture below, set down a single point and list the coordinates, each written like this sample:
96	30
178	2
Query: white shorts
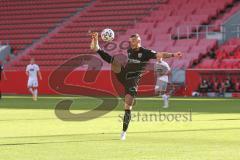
161	85
32	83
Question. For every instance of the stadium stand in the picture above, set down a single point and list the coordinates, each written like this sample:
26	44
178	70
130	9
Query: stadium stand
184	17
72	38
158	23
23	22
226	56
218	22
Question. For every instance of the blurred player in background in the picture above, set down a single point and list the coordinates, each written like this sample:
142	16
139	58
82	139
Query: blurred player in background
33	72
162	72
130	74
2	73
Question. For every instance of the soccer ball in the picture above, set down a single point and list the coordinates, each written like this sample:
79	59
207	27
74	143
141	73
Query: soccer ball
107	35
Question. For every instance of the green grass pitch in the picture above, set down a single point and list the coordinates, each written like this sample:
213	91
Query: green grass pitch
31	131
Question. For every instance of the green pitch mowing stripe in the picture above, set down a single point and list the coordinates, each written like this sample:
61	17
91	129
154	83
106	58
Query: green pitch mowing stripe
44	97
31	131
138	98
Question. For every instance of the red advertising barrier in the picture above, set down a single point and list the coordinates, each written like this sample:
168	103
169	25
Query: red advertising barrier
194	77
77	82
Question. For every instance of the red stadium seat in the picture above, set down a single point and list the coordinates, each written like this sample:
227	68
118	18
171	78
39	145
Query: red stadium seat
30	24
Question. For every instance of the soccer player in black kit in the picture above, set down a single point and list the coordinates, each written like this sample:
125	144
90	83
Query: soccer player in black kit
130	74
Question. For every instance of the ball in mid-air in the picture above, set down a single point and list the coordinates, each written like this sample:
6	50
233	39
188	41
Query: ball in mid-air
107	35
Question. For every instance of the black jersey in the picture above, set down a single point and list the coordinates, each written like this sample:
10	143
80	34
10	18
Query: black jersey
137	61
131	73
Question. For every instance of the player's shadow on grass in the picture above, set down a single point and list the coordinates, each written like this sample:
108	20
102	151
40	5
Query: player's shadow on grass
56	142
102	140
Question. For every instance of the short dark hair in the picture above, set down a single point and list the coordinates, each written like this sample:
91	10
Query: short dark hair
136	35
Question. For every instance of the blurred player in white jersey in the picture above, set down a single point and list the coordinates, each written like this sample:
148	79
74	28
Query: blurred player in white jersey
4	77
33	72
162	71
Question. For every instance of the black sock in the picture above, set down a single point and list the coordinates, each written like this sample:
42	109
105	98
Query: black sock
105	56
126	119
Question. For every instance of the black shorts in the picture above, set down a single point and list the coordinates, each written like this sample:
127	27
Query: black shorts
130	84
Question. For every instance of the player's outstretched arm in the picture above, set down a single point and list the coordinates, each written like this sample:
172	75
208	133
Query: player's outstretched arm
168	55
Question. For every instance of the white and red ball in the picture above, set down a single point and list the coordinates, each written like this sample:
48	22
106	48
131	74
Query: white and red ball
107	35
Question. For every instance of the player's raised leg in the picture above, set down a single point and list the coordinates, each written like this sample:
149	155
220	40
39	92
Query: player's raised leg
116	66
94	42
95	47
